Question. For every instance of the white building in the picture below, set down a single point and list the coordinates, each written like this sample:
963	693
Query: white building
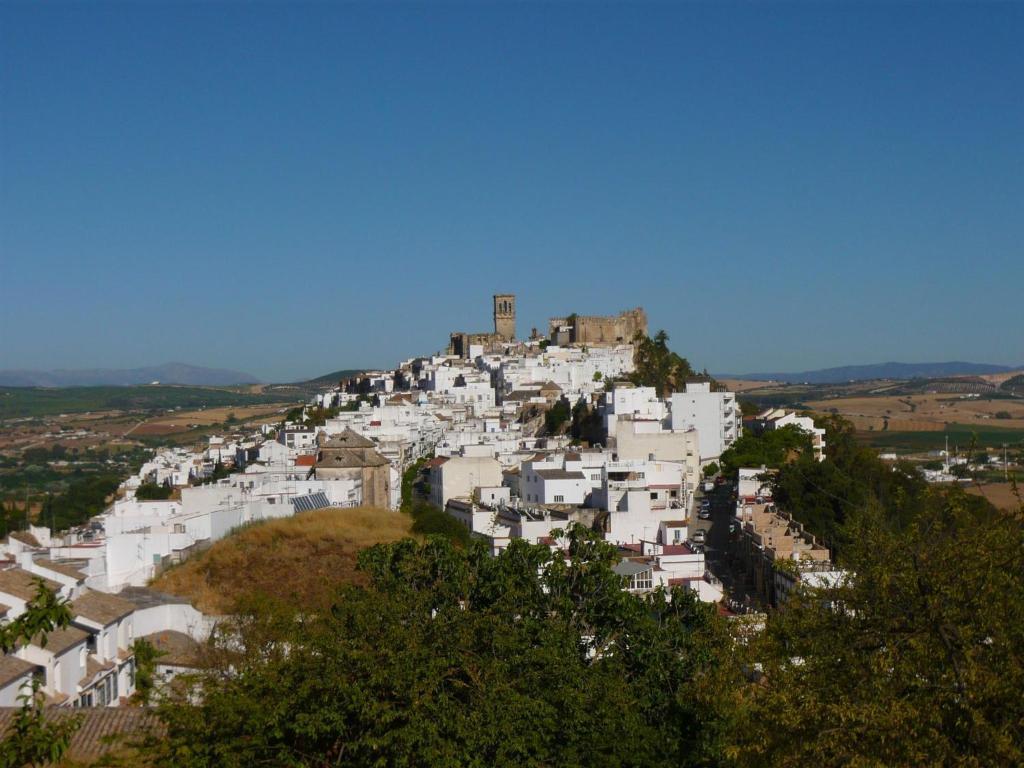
458	476
627	401
715	416
777	418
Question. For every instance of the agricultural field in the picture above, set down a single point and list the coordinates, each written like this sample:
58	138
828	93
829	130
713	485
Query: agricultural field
143	420
922	413
192	423
27	402
961	436
912	415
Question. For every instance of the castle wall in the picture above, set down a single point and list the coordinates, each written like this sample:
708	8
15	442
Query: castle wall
595	329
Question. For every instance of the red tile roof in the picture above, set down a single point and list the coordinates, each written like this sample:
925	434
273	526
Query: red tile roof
305	461
676	549
101	729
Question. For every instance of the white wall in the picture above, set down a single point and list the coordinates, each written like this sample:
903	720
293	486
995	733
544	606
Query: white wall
715	416
9	693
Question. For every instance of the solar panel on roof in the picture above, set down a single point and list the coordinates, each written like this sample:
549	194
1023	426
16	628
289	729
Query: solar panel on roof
310	501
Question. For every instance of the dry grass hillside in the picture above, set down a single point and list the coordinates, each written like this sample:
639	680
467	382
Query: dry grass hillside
301	559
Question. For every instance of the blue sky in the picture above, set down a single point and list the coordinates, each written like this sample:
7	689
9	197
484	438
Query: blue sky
291	189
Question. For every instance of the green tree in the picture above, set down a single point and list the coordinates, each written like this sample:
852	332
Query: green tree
219	473
916	659
32	739
773	449
153	492
655	365
431	519
586	424
822	495
146	655
556	416
85	497
454	657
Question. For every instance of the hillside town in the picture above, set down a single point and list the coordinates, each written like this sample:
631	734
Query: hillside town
475	430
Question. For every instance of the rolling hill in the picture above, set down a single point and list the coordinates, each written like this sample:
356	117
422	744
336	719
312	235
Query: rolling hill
334	377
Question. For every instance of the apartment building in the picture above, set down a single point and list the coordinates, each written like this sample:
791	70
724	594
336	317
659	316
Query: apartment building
715	416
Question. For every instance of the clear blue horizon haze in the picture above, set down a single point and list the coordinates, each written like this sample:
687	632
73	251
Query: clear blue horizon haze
291	189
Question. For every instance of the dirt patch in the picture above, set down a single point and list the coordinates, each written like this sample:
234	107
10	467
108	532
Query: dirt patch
302	559
1000	494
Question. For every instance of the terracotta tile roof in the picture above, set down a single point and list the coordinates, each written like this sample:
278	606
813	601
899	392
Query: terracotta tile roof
676	549
60	640
305	461
93	669
11	668
177	648
99	730
102	608
25	538
341	458
559	474
348	439
65	569
22	584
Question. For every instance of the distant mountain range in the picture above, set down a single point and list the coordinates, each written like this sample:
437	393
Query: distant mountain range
877	371
168	373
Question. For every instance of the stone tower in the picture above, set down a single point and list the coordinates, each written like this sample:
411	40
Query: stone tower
505	316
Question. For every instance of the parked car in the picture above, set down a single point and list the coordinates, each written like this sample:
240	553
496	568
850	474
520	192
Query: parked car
698	537
704	514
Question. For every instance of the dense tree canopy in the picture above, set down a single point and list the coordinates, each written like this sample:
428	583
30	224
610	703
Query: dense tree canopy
655	365
916	659
153	492
772	449
822	495
453	657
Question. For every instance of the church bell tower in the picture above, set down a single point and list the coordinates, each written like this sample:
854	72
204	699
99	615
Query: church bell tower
505	316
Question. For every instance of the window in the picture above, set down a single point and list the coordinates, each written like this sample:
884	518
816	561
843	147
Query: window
654	495
677	535
559	499
641	581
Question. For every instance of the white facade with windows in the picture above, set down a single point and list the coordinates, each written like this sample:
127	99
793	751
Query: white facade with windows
715	416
